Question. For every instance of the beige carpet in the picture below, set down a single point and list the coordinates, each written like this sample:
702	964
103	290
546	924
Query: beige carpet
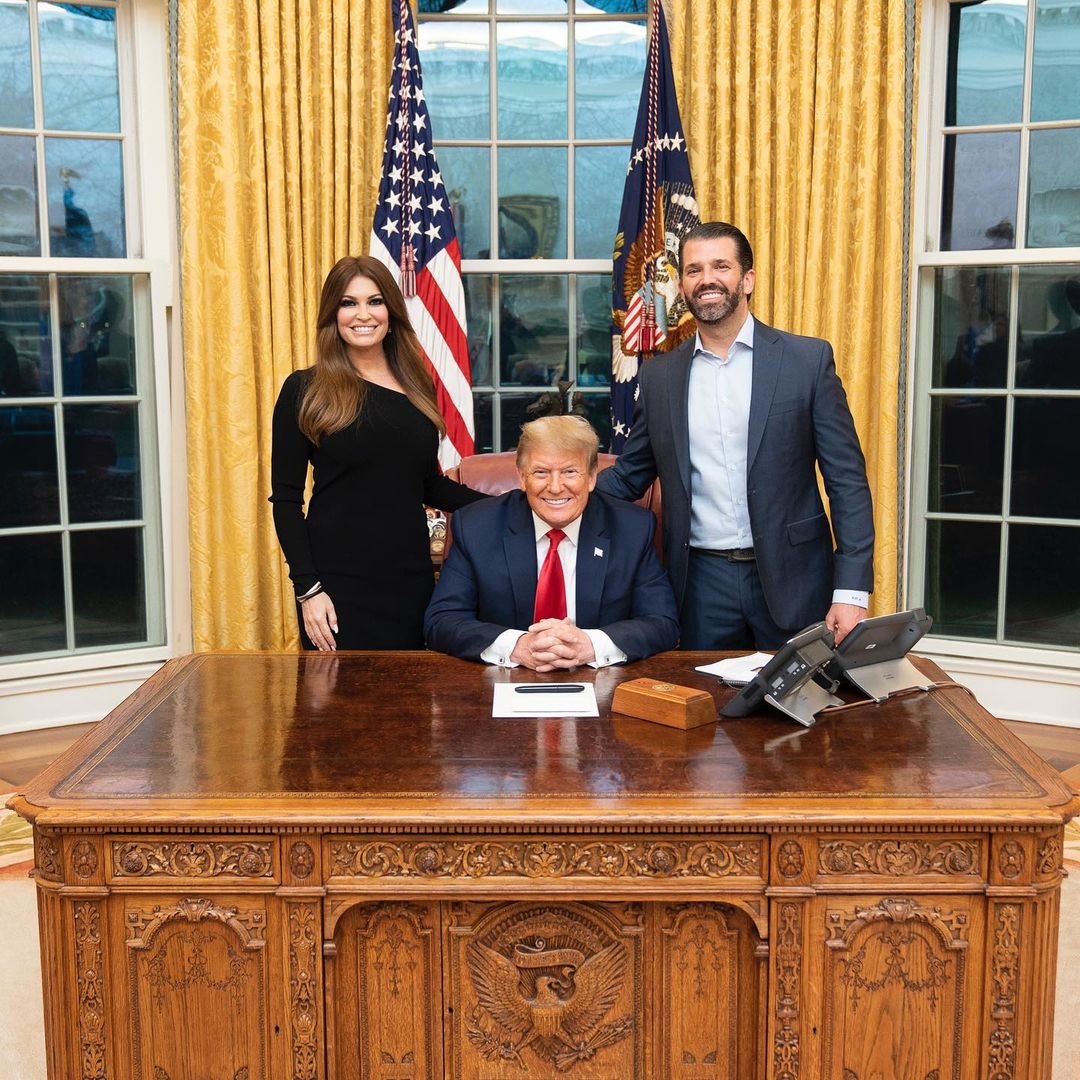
22	1040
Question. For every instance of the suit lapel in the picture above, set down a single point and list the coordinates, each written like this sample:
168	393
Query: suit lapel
592	567
519	545
767	355
679	397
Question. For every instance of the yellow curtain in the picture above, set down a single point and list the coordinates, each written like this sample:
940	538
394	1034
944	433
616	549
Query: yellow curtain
282	113
794	116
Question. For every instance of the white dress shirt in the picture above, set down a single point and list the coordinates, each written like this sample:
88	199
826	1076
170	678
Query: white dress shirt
605	650
718	411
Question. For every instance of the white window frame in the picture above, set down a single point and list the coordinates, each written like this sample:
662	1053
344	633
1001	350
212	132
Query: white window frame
150	203
1060	665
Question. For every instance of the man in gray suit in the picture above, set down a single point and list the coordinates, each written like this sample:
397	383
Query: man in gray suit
734	422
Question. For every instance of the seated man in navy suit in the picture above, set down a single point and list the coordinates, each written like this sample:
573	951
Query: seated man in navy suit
548	577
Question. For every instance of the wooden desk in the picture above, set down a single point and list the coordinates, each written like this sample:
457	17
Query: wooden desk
296	867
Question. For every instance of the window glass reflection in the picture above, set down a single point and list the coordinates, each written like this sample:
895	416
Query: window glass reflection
456	84
533	331
32	585
78	67
530	7
101	448
483	439
613	7
86	198
532	84
962	560
478	305
532	202
467	175
986	68
97	346
593	330
25	342
598	411
1054	188
28	473
967	448
458	7
1041	608
1049	327
108	594
16	87
514	414
1046	449
982	173
1055	78
971	332
18	196
597	199
609	63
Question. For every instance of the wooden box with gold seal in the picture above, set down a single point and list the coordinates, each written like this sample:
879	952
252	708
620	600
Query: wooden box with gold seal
664	703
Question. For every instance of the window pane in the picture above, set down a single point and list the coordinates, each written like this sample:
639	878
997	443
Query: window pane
613	7
597	198
78	67
962	561
1055	81
107	587
1046	449
97	349
466	172
967	448
18	197
86	197
609	64
101	445
28	474
1054	188
16	87
456	78
532	80
530	7
1050	327
982	173
986	70
482	422
514	412
436	7
593	330
1042	607
478	306
971	332
532	202
25	342
598	410
32	585
533	331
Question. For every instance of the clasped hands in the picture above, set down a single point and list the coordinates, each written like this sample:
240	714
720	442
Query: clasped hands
552	644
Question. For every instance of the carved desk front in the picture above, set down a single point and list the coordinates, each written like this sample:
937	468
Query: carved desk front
292	867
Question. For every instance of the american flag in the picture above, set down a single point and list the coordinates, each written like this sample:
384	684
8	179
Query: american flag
413	234
658	207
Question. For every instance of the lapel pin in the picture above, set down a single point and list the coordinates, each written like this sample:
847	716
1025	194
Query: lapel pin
598	553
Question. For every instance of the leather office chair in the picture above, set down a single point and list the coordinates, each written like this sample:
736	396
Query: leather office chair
496	473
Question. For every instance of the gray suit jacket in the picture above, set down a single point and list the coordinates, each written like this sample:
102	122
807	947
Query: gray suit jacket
799	418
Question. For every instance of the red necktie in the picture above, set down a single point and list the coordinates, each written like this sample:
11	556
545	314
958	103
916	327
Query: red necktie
550	588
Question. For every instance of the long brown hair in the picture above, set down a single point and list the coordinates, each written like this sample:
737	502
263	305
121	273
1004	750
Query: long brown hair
334	395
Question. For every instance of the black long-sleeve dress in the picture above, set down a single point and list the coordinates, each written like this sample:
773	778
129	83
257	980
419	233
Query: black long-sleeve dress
365	534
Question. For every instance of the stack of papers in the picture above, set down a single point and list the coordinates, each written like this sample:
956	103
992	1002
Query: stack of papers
738	670
510	701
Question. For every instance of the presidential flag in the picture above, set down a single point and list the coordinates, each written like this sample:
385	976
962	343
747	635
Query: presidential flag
658	207
413	234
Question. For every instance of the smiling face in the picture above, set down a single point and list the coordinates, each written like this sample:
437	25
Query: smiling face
712	281
557	484
362	316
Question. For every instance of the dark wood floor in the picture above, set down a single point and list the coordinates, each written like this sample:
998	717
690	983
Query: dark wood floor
25	754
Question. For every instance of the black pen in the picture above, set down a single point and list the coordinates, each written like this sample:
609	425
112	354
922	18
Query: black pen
552	688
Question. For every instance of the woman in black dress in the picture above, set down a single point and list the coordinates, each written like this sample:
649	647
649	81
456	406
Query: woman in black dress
365	417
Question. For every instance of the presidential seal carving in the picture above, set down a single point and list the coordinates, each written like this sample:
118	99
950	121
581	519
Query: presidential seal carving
546	982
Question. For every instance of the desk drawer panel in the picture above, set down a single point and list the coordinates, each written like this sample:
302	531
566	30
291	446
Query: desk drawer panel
200	859
956	860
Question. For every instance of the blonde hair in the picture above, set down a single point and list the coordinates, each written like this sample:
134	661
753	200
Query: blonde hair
571	434
335	395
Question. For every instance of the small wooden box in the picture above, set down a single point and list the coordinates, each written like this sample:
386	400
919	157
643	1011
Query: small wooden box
664	703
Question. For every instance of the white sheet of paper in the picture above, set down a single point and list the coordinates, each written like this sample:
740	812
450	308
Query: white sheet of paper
507	703
737	670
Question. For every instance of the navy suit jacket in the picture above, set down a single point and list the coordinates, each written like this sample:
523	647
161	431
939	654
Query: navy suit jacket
799	418
488	582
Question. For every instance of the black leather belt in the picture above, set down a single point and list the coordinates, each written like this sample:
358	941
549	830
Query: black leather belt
733	554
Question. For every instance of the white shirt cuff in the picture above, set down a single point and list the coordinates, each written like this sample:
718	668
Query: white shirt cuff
851	596
605	650
498	652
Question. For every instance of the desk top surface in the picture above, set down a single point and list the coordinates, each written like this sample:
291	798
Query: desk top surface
354	737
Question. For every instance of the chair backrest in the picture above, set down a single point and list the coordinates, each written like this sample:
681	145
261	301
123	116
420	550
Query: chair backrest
496	473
